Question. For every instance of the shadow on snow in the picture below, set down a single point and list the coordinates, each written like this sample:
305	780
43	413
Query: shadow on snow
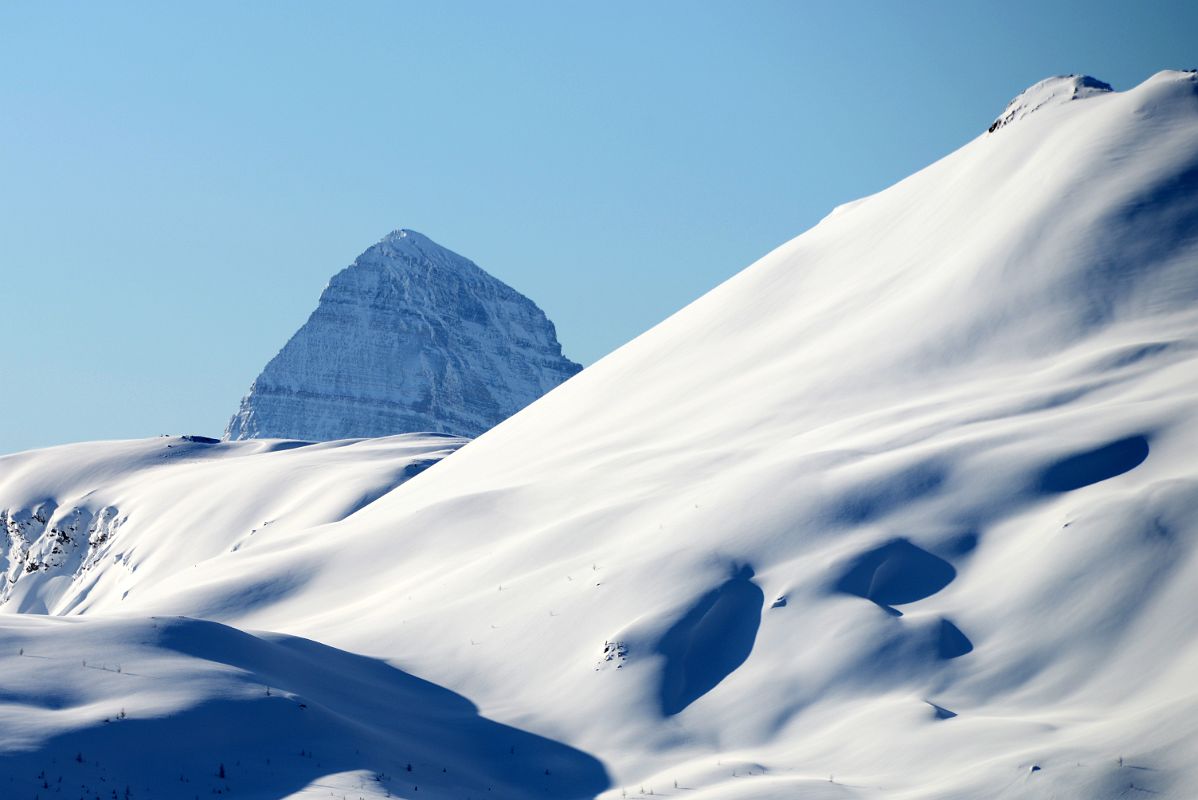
712	639
326	712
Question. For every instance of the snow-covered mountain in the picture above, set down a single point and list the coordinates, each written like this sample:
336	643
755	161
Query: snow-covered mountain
906	509
410	337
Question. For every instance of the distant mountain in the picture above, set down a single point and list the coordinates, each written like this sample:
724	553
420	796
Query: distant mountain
411	337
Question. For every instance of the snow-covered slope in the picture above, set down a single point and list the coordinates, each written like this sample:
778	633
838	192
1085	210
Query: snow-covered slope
104	521
907	509
410	337
170	707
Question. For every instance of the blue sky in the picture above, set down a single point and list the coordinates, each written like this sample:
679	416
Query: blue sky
179	181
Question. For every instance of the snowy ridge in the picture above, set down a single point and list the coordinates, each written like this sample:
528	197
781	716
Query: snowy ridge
411	337
906	509
103	520
1047	93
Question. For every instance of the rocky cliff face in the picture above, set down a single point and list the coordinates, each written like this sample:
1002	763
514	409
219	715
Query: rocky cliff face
46	538
410	337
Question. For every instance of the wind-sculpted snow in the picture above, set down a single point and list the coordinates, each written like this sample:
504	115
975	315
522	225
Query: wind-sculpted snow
951	642
711	639
895	573
410	337
952	428
1092	466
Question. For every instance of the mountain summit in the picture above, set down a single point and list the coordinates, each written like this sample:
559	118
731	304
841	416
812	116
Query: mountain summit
1049	92
410	337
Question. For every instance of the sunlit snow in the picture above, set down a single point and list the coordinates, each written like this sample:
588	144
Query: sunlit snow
906	509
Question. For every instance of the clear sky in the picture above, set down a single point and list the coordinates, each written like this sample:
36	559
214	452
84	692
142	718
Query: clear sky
178	181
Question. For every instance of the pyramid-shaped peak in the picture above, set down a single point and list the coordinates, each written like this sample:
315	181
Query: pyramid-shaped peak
406	236
411	337
1049	92
406	247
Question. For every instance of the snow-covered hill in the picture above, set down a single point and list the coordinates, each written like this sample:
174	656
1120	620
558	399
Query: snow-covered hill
104	521
907	509
410	337
172	707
